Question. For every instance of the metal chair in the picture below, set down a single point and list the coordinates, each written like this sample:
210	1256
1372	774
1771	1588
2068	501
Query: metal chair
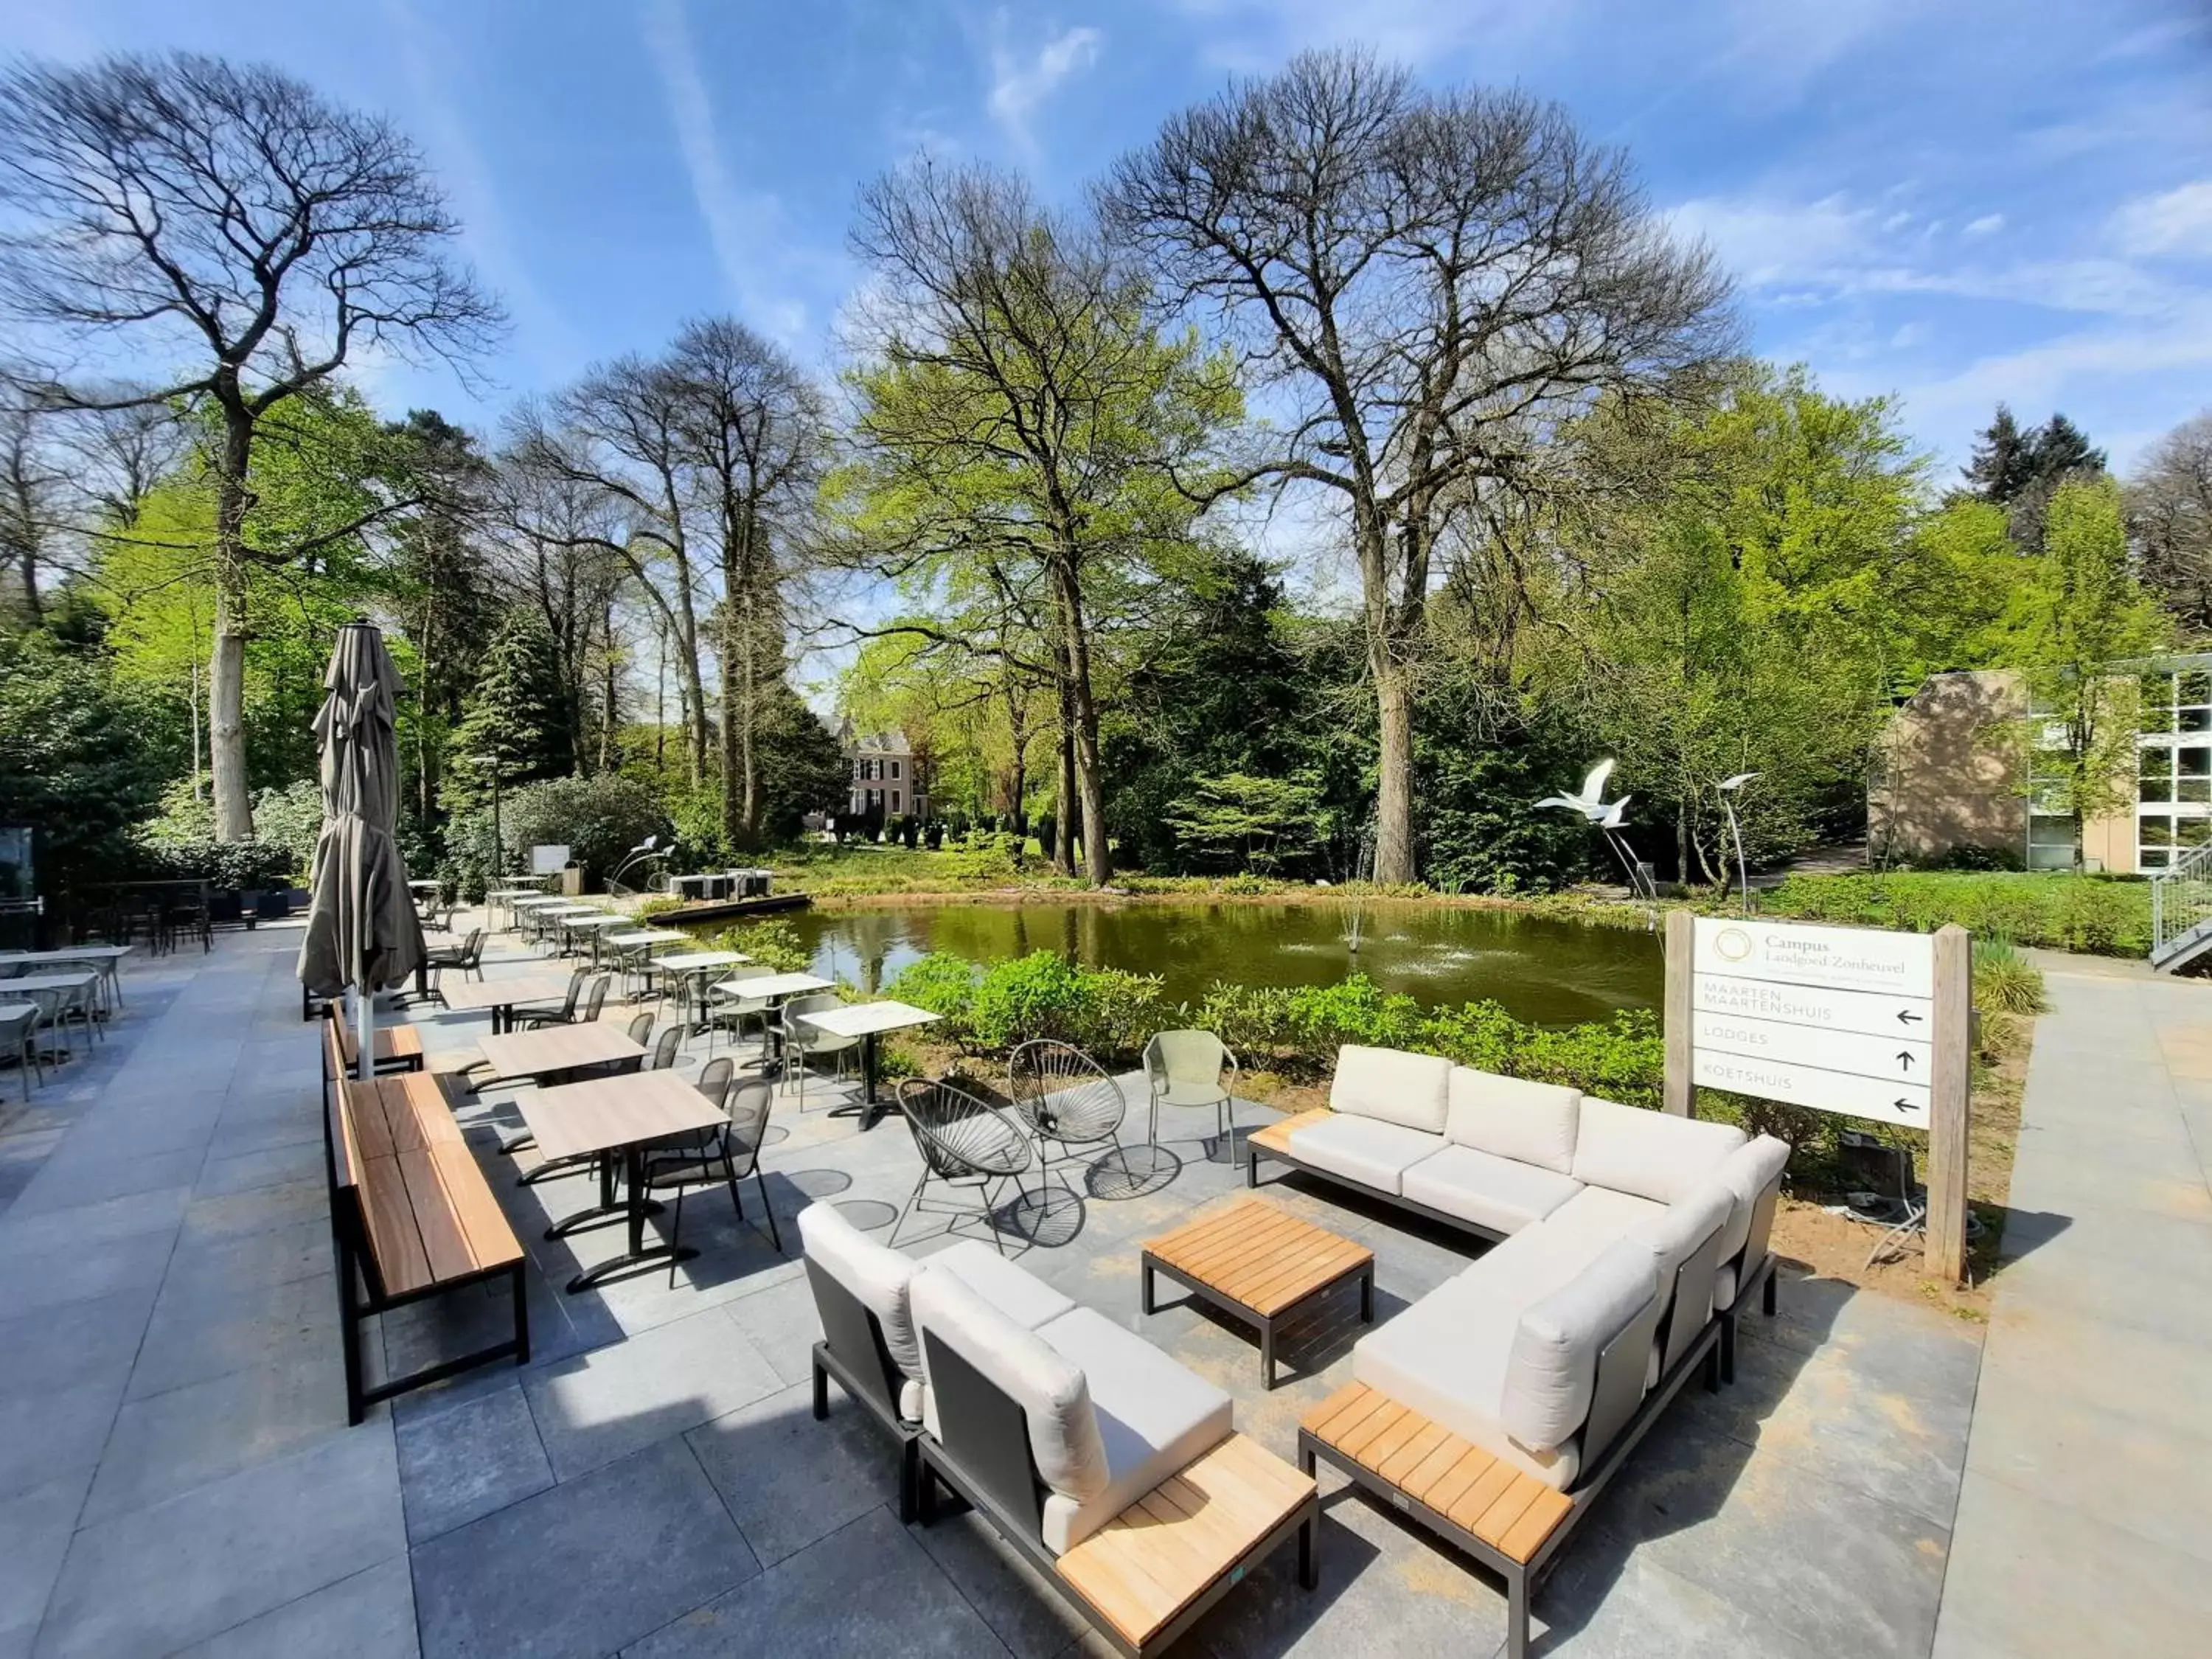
735	1141
736	1009
20	1032
1068	1099
802	1041
640	1027
529	1019
664	1051
596	1000
964	1141
1187	1068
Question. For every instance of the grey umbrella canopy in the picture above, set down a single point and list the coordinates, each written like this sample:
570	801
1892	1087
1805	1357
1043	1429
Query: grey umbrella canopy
362	928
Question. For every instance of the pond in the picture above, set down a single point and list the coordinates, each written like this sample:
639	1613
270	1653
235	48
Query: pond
1550	972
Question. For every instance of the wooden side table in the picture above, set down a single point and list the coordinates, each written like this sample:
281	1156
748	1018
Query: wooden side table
1259	1264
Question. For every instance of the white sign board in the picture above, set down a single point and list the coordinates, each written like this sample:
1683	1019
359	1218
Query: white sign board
548	861
1836	1018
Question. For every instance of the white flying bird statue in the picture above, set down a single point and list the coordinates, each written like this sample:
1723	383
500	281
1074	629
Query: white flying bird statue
1590	801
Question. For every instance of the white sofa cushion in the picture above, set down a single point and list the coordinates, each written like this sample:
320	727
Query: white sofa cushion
1392	1086
1446	1356
1154	1418
1529	1122
1648	1154
1489	1191
1013	1291
878	1277
1748	1170
1551	1370
1054	1398
1364	1149
1572	1236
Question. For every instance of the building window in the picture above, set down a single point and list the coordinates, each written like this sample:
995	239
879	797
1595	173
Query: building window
894	771
895	793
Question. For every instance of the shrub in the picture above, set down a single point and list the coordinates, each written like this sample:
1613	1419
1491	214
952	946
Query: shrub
1038	995
774	943
945	984
291	818
2005	981
2103	915
598	818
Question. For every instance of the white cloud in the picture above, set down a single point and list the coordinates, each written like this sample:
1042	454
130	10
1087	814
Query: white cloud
2176	223
1986	225
742	226
1022	79
1768	243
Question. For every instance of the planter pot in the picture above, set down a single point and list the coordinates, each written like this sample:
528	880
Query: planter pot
275	907
225	906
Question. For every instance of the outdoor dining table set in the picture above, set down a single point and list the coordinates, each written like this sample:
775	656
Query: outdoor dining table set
43	990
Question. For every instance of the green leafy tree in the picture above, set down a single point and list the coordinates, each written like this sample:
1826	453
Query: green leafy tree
1242	822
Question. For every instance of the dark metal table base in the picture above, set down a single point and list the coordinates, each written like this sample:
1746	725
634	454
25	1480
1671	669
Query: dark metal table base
1268	1323
868	1108
634	1211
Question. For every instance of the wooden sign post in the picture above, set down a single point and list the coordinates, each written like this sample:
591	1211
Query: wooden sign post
1856	1021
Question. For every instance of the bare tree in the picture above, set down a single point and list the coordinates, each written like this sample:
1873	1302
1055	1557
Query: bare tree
754	432
121	448
32	483
2170	505
1435	282
1023	407
185	209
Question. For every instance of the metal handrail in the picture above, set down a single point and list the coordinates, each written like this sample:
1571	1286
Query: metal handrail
2180	897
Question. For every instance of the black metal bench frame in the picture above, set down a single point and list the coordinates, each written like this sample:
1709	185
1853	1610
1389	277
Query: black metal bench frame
853	1351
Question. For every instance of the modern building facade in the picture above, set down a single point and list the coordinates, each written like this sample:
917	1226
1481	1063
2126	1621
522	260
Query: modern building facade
1949	776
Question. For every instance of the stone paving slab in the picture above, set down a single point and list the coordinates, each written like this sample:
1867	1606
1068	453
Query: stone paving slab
654	1483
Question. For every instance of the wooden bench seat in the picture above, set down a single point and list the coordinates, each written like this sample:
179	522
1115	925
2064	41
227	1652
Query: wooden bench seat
398	1048
411	1216
1188	1535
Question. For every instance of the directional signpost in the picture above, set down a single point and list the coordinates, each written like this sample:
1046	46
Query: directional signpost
1849	1020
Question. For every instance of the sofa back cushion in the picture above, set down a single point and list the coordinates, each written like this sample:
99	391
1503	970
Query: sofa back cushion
878	1278
1649	1154
1412	1090
1553	1368
1052	1394
1747	1171
1508	1117
1672	1236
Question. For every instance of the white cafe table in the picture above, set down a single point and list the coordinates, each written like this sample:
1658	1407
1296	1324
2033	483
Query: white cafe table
689	967
867	1021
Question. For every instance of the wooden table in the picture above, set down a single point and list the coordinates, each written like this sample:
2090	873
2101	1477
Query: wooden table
503	996
867	1021
625	1114
1258	1263
554	1049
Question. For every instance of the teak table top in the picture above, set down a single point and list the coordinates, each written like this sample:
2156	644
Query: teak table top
557	1048
1263	1258
616	1111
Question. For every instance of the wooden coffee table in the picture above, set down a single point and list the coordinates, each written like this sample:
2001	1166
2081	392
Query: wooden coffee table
1260	1264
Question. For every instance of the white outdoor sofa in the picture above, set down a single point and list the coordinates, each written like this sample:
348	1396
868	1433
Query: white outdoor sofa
1495	1409
1115	1471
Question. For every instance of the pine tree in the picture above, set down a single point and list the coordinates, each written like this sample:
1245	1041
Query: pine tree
517	716
2001	465
2059	449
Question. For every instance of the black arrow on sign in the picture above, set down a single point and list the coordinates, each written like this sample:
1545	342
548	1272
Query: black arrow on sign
1906	1016
1904	1058
1903	1105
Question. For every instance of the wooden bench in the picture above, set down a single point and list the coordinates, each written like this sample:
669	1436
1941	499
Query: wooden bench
412	1217
398	1048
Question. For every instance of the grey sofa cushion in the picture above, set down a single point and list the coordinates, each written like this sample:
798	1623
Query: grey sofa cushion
1154	1416
1648	1154
1013	1291
1489	1191
1552	1369
877	1277
1064	1440
1672	1237
1364	1149
1748	1171
1391	1086
1446	1356
1529	1122
1571	1236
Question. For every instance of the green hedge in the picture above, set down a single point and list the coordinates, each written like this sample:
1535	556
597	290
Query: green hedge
2103	916
1111	1013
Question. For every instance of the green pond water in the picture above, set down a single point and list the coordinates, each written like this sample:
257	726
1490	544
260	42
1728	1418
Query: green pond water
1553	973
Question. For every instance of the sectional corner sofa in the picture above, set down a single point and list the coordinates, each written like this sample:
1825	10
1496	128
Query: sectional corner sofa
1114	1470
1629	1241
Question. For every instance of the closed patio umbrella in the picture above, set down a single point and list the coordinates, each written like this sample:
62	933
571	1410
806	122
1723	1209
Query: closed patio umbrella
363	934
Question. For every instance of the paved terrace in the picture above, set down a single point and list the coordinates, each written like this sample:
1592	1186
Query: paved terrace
176	1474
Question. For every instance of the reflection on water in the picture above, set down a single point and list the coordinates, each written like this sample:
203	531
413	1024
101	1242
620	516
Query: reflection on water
1551	972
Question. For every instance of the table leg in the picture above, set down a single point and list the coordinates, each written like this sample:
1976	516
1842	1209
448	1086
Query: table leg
1367	1296
1268	1353
634	1211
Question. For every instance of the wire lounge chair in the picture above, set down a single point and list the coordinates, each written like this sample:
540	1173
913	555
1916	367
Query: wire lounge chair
964	1143
1069	1100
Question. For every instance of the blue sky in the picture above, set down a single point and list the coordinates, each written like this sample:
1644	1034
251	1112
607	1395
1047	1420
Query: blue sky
1951	200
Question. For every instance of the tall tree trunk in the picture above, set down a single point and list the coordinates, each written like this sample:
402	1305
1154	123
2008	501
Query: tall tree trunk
1098	867
1394	791
1063	825
609	692
1017	727
234	807
732	813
